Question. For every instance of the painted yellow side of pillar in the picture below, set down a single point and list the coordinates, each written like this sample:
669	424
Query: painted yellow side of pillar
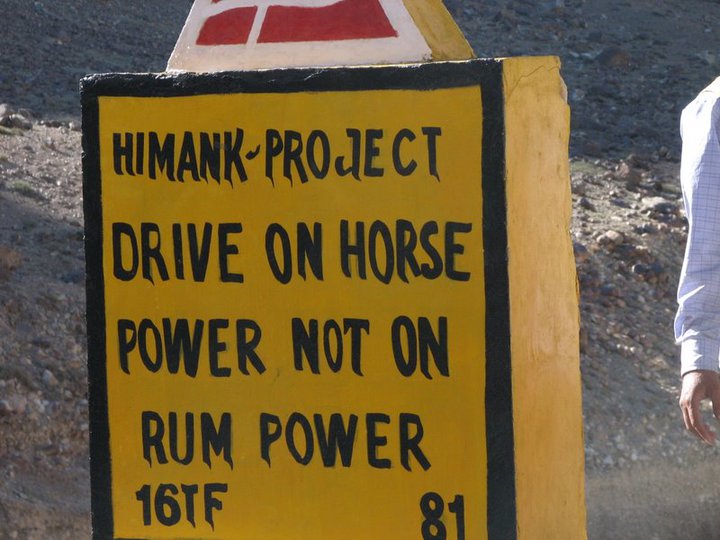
544	317
445	39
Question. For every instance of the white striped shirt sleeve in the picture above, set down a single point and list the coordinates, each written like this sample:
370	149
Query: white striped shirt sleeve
697	323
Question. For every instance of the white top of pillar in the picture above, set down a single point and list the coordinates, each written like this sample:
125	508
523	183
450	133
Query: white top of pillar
222	35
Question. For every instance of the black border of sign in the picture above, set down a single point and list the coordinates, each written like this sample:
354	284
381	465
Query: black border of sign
487	73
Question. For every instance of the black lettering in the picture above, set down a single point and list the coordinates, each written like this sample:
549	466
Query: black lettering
178	251
246	347
268	435
371	152
432	133
406	364
273	148
161	156
143	495
356	327
379	228
338	440
152	364
348	250
120	230
153	431
127	339
374	440
140	153
178	343
211	502
438	346
188	158
167	508
121	151
310	250
411	444
334	355
319	171
150	241
354	168
435	270
210	156
189	438
217	439
190	491
226	250
199	254
305	343
400	167
216	347
293	156
276	231
452	249
406	239
309	446
233	147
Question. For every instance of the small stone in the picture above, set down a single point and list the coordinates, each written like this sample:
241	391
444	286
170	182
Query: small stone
49	379
6	407
9	261
41	343
38	404
611	238
77	276
660	205
628	174
636	161
577	95
18	404
578	187
15	120
581	253
614	57
592	149
609	289
646	228
622	203
586	204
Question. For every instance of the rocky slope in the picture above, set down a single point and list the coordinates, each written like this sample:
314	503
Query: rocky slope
629	66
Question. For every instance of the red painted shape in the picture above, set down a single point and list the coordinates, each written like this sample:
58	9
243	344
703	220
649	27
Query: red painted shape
231	27
346	19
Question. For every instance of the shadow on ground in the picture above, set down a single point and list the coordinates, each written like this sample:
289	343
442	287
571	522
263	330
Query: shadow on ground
658	502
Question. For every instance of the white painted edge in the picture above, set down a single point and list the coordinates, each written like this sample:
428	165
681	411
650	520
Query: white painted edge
409	46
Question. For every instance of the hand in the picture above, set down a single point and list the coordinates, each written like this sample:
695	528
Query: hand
697	386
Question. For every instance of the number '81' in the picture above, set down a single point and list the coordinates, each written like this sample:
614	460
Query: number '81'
432	507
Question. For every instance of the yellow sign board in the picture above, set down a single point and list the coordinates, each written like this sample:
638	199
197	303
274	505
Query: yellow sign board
292	277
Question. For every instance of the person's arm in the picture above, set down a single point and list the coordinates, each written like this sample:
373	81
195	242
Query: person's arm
697	324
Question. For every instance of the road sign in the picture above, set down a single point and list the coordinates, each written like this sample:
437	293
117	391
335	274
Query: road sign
300	304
